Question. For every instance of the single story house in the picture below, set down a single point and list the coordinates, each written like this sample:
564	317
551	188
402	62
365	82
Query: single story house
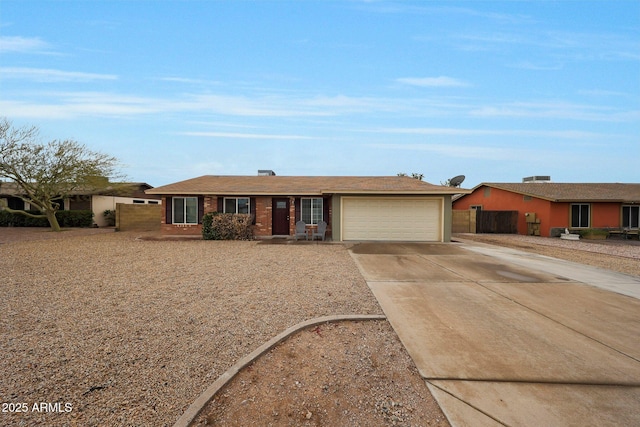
97	201
559	206
355	208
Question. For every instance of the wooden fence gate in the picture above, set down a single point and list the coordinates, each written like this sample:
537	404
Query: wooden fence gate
463	221
505	222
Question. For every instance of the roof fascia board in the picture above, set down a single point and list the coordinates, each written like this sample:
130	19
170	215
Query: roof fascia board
231	193
399	192
297	193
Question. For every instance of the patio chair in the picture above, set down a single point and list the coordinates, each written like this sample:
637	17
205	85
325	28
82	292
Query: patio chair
320	232
301	230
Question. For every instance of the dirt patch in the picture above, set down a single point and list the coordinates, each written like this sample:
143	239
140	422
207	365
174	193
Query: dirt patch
335	374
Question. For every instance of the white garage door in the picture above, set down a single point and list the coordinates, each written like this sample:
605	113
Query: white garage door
388	218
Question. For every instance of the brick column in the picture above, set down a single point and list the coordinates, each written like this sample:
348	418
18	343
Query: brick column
292	216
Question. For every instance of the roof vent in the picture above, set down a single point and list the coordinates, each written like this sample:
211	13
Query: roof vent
266	172
537	178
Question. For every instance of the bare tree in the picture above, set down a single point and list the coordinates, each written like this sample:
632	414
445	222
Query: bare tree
48	173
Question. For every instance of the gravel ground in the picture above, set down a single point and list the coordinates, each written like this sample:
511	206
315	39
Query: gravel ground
103	328
106	328
611	254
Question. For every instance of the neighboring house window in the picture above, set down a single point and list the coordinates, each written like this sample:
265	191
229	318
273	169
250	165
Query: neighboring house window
239	205
476	207
153	202
630	216
138	201
311	210
15	203
580	215
185	210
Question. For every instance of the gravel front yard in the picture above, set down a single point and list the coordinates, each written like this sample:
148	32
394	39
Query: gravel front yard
112	330
101	328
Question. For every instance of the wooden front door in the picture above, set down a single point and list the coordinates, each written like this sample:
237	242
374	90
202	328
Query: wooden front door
280	215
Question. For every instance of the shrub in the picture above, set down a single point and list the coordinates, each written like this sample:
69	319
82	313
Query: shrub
109	217
594	233
221	226
82	218
5	218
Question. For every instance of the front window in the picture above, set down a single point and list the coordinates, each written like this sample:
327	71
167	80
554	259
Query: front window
311	211
580	216
630	216
238	205
185	210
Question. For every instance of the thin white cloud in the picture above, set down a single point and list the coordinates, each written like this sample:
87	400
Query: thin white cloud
253	107
49	75
65	105
399	7
528	65
557	45
188	81
459	151
180	80
602	92
441	81
555	110
245	135
79	104
17	44
83	104
565	134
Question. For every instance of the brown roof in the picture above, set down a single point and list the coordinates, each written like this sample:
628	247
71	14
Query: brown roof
568	192
302	185
124	189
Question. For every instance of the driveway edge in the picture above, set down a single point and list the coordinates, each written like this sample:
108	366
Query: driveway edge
198	405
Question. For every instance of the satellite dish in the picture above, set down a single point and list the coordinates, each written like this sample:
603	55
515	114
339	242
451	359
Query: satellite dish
456	181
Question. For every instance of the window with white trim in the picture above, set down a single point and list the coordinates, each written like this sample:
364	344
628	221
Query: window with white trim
630	216
237	205
311	210
185	210
580	214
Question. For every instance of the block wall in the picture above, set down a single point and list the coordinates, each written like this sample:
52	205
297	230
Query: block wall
137	217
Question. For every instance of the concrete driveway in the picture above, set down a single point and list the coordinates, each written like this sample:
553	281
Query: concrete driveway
509	338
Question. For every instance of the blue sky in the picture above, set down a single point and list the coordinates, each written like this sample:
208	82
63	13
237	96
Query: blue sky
177	89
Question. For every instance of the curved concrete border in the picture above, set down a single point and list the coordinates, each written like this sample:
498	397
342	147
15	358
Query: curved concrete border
198	405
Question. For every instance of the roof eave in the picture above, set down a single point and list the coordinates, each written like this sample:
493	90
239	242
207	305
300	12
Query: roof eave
309	193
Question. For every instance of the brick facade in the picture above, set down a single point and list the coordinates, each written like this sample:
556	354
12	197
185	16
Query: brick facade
263	225
263	222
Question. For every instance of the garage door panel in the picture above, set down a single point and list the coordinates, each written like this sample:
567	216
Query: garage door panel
417	219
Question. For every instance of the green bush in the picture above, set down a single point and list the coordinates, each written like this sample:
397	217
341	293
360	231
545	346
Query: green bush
109	217
5	218
82	218
8	219
593	233
221	226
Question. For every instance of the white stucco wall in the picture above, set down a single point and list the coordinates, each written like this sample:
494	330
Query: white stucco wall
100	204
